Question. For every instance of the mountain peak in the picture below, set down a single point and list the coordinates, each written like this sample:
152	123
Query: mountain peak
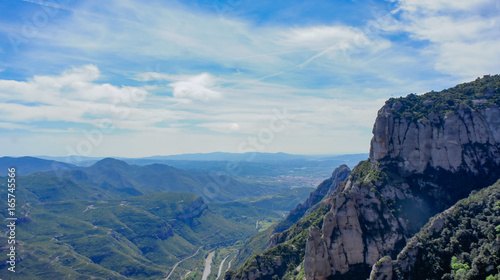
28	165
110	162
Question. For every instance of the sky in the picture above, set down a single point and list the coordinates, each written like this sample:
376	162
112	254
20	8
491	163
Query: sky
131	78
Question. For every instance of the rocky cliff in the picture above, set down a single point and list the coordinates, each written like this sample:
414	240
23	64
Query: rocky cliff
360	228
460	138
427	152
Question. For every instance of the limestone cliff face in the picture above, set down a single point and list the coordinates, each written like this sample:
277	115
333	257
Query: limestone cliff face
452	140
427	152
357	232
444	145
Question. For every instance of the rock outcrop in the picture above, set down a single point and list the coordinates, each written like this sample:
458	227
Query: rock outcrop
194	210
318	263
427	152
460	140
357	232
382	270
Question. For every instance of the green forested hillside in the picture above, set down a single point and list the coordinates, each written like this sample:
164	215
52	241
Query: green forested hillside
140	237
461	243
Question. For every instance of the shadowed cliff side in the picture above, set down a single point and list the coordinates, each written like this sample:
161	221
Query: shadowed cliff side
462	242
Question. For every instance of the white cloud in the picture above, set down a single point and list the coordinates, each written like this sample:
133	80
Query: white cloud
74	84
75	97
240	114
196	87
187	87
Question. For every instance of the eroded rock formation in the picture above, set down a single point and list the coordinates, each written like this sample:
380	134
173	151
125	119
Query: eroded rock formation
427	152
456	140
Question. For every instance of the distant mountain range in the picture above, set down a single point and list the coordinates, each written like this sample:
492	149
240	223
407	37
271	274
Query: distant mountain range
113	178
135	218
258	157
216	156
254	165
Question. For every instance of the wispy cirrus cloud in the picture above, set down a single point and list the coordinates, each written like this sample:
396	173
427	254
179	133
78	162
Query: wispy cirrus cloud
463	36
121	28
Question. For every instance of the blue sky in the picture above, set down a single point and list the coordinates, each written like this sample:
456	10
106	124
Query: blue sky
125	78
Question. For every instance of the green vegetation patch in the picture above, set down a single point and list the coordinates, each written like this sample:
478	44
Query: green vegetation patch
474	95
468	244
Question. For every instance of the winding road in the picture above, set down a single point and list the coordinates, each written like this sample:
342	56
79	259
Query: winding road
229	264
175	265
220	267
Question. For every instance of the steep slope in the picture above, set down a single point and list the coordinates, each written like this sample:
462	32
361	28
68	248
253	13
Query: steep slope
428	151
462	242
360	228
